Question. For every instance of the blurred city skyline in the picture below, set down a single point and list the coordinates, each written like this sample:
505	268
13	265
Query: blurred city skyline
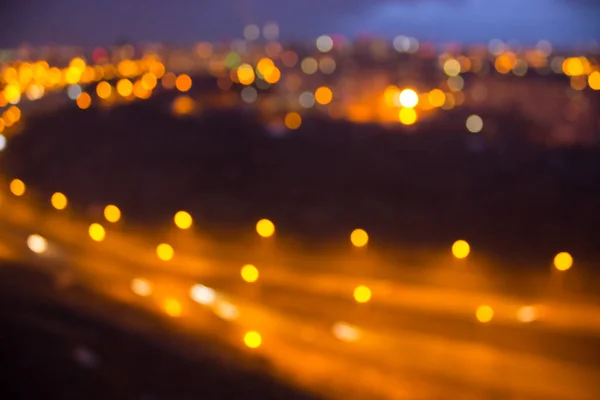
564	23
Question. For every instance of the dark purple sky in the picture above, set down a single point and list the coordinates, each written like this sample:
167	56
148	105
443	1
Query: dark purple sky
90	22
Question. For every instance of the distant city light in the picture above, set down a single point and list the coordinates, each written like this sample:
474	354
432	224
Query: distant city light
251	32
461	249
323	95
2	142
202	294
452	67
265	228
84	101
183	83
527	314
293	120
307	99
408	98
73	91
173	308
407	116
345	332
309	65
103	90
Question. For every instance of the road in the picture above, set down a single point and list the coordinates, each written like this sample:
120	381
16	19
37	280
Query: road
414	339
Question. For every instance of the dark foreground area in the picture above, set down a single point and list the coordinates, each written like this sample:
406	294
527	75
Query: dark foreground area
425	186
50	351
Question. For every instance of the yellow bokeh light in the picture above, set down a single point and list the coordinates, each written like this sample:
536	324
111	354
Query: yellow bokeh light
78	64
484	313
265	66
563	261
245	74
362	294
407	116
183	220
265	228
323	95
183	105
359	237
13	114
59	201
165	252
594	80
252	339
293	120
249	273
141	287
103	90
173	308
452	67
140	91
408	98
573	66
84	101
17	187
461	249
97	232
273	76
72	75
112	213
149	81
124	87
436	98
183	83
12	92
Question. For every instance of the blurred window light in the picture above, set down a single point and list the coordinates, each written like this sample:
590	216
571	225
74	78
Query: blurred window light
594	80
35	92
17	187
436	98
2	142
474	123
37	243
401	44
164	252
59	201
324	43
141	287
249	273
202	294
484	313
103	90
345	332
461	249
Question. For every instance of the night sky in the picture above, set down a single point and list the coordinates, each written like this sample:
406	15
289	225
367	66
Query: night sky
88	22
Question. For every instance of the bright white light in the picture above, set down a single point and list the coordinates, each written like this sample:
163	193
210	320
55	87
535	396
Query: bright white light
226	310
401	44
251	32
474	123
141	287
307	99
37	244
408	98
2	142
202	294
324	43
73	91
345	332
527	314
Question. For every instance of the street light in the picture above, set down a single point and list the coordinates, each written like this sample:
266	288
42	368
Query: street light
249	273
461	249
164	251
112	213
265	228
183	220
563	261
362	294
